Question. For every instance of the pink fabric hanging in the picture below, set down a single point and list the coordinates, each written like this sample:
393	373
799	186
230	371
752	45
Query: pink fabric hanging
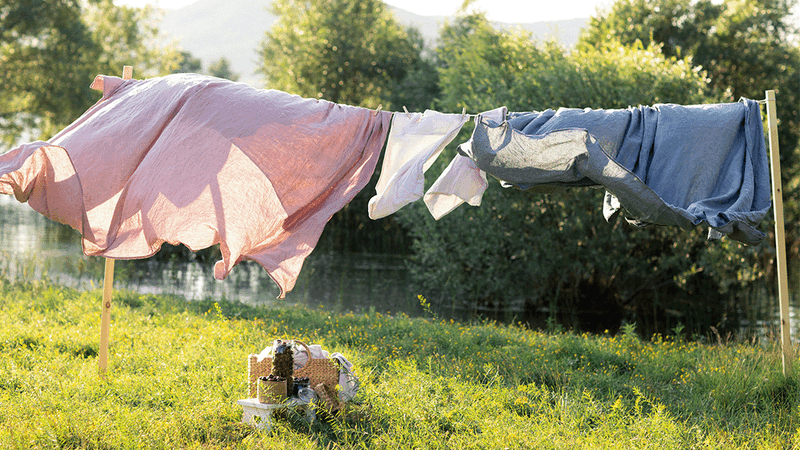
198	160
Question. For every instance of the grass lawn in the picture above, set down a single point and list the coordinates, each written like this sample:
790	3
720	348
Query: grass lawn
176	369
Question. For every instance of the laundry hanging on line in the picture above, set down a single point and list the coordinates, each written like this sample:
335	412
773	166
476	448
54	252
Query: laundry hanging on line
461	181
415	141
200	161
664	165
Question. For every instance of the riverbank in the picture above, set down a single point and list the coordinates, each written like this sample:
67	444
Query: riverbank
176	369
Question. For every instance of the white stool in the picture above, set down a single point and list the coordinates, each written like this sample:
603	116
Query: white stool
253	408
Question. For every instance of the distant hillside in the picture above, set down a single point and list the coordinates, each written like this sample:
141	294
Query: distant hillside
211	29
564	31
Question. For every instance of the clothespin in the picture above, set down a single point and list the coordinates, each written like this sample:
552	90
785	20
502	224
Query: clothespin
406	110
375	113
127	74
464	111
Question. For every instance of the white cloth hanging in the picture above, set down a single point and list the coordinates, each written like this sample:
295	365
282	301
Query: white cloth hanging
462	180
415	141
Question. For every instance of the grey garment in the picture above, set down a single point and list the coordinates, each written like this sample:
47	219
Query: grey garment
665	165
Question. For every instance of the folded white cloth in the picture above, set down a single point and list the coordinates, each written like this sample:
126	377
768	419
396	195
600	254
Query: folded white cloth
348	381
300	355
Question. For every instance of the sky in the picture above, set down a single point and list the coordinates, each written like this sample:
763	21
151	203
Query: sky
517	11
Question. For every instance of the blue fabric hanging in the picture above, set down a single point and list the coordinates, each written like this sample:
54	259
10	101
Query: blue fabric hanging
664	165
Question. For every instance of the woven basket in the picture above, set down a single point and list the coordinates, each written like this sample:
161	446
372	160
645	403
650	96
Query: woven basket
328	397
318	370
271	391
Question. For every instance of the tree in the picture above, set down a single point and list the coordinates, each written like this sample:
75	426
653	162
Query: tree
745	47
351	52
346	51
553	256
419	88
188	63
50	50
221	68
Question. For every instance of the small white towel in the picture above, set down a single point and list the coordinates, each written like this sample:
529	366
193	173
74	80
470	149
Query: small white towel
415	141
462	180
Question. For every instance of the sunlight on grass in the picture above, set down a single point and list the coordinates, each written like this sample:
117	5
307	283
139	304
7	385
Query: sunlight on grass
176	369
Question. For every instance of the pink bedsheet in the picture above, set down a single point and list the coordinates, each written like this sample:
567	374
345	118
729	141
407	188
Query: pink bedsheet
197	160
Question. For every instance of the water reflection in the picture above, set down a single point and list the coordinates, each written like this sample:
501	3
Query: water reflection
32	246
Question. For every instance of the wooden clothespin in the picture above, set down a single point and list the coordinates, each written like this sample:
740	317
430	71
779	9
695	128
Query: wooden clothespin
127	72
463	111
406	110
375	113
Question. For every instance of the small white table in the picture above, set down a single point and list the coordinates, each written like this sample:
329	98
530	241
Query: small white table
260	414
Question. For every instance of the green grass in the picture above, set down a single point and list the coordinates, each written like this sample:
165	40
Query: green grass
176	369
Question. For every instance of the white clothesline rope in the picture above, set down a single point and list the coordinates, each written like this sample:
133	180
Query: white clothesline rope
463	112
472	116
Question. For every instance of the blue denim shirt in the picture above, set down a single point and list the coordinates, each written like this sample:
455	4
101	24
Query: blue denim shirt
665	164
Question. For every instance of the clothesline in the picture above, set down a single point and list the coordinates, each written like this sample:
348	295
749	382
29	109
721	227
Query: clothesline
405	110
777	206
472	116
463	112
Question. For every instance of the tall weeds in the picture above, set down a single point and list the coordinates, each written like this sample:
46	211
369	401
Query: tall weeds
176	369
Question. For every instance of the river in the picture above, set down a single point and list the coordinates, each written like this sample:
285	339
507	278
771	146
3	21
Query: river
32	246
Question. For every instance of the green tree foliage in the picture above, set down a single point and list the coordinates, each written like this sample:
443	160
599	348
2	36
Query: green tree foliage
745	47
484	68
221	68
346	51
419	88
351	52
188	63
51	50
554	256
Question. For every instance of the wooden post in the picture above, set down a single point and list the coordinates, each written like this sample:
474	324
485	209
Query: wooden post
780	236
108	285
105	318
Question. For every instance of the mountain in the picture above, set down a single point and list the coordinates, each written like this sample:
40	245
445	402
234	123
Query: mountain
564	31
212	29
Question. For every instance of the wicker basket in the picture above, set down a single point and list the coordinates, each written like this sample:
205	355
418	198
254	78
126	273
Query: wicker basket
328	397
318	370
270	391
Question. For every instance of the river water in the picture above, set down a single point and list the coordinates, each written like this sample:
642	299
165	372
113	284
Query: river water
32	246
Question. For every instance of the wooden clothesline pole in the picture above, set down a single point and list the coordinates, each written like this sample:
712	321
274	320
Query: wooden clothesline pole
105	317
108	286
780	236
